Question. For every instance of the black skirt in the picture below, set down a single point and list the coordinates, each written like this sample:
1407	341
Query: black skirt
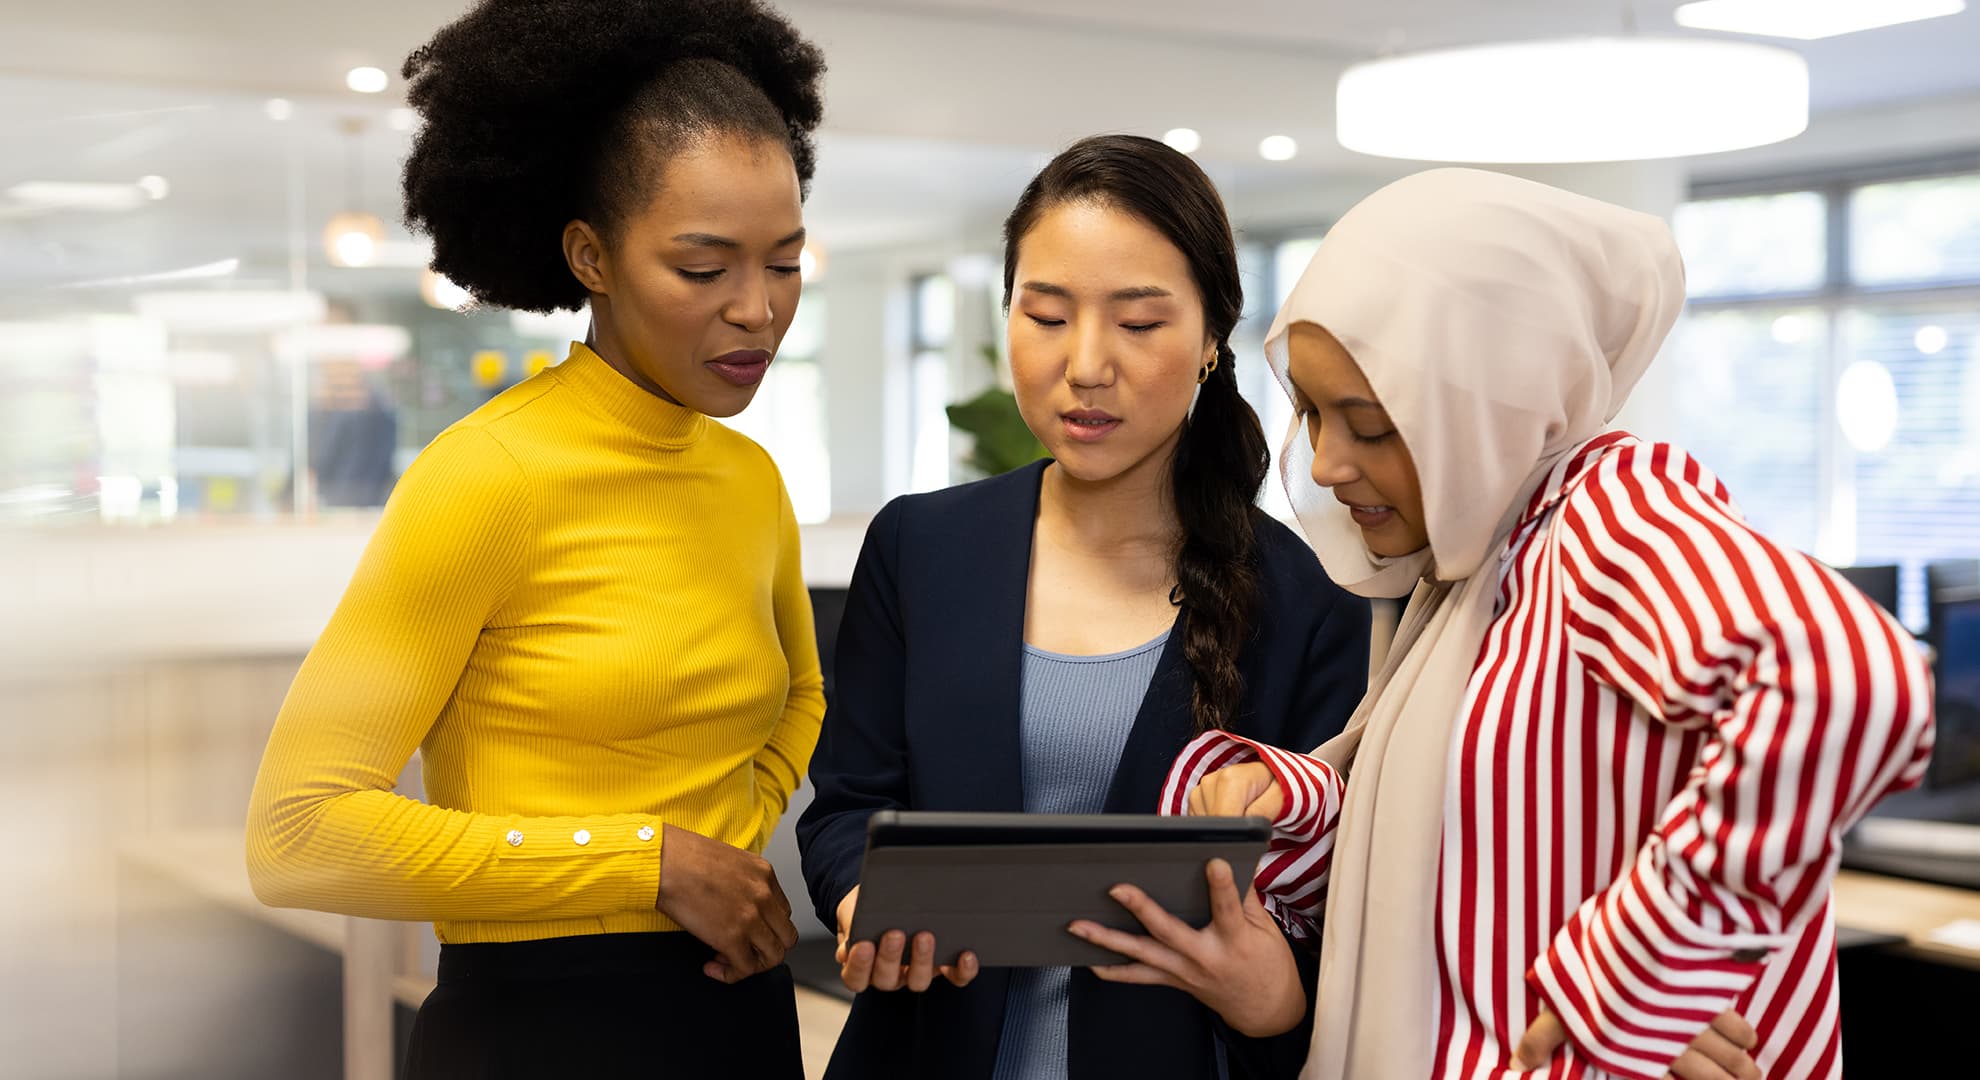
604	1006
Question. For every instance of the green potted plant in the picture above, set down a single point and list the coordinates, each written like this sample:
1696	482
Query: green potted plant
991	418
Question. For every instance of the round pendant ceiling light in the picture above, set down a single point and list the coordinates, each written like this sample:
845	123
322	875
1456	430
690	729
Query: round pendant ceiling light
1574	100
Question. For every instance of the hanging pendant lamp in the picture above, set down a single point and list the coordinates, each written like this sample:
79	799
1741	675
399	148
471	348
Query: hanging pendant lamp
351	237
1574	100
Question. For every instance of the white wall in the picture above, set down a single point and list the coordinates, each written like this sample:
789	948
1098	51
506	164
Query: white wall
859	352
867	354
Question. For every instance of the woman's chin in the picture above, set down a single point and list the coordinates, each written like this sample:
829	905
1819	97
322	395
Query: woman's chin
1086	464
1384	543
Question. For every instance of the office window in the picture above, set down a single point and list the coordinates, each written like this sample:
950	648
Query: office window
1909	406
1289	259
1832	350
1768	448
1923	232
931	326
1754	245
1283	262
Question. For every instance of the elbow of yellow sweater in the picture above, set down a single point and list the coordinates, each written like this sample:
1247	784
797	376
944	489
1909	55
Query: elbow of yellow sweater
271	885
278	862
269	865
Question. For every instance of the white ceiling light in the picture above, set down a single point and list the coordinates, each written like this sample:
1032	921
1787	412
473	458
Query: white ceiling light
366	80
811	262
1790	330
351	238
438	291
1184	140
154	186
1931	340
1867	405
1278	148
1808	20
278	108
1587	99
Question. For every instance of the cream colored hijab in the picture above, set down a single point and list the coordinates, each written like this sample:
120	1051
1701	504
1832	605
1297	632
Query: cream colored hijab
1502	323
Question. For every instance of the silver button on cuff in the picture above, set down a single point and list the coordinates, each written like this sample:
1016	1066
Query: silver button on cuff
514	838
581	837
646	832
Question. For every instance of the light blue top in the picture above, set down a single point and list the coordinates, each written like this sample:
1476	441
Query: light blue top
1076	715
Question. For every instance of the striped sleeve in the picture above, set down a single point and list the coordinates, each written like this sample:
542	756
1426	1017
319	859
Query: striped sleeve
1292	877
1815	703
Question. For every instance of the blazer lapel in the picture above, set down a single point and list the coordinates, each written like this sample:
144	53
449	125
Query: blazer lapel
988	686
1161	729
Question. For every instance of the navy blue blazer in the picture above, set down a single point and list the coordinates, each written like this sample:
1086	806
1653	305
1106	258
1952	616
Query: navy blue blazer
926	717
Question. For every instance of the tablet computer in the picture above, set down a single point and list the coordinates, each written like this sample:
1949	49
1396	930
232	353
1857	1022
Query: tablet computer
1005	886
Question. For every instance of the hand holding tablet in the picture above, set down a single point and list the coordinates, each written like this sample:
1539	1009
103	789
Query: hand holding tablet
893	962
1240	965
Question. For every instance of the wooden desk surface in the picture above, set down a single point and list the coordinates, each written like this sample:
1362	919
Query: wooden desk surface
1908	909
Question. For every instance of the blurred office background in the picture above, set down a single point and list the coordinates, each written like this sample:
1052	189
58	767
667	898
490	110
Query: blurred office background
219	347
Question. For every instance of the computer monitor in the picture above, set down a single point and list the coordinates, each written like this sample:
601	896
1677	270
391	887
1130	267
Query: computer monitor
1956	633
1941	574
1879	583
1947	580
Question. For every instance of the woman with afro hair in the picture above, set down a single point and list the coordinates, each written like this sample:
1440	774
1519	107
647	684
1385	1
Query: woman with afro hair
583	604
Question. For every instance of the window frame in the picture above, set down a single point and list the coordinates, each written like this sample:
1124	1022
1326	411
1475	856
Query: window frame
1839	294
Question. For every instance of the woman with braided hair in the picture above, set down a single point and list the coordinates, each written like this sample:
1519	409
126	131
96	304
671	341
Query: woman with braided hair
1047	640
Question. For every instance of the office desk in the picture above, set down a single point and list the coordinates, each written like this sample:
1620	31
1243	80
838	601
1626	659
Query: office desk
378	960
1907	1005
1910	911
211	866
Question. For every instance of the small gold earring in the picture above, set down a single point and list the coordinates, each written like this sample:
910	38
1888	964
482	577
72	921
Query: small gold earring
1203	376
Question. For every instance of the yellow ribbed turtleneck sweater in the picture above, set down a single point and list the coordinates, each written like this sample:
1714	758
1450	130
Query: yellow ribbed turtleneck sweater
584	606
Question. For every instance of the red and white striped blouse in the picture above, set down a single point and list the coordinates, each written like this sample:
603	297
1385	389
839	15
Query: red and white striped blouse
1671	723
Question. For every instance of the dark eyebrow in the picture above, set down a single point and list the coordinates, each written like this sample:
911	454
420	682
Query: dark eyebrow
1135	292
696	239
1357	403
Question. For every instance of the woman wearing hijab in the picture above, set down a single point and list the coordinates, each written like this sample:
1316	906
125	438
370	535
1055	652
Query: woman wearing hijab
1586	820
